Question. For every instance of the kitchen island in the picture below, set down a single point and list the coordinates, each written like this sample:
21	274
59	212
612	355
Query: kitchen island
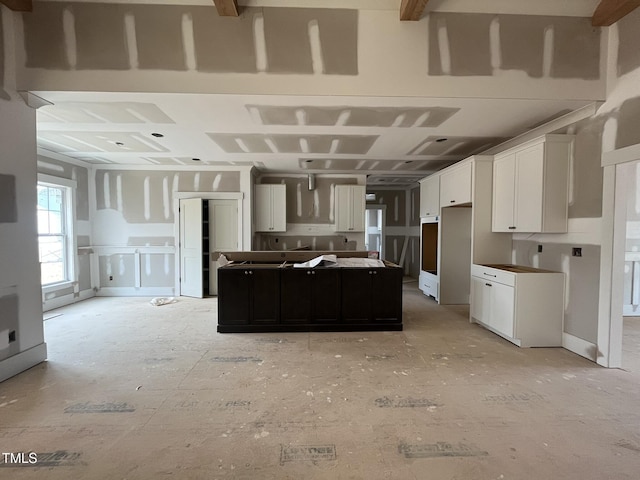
265	292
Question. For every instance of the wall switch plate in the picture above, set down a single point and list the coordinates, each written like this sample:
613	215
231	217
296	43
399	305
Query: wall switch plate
576	251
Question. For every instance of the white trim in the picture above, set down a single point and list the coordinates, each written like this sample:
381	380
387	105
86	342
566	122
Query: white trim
209	195
65	300
579	346
43	152
622	155
564	121
57	181
22	361
56	287
135	292
244	211
126	250
173	168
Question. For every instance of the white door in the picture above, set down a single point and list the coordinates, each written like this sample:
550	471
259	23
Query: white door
191	247
504	172
223	235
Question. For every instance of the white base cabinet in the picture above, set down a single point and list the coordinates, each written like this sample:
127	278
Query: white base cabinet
428	283
525	305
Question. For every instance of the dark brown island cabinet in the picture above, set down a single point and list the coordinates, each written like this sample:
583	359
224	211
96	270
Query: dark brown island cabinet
256	296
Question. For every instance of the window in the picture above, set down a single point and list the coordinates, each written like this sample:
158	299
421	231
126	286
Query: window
55	239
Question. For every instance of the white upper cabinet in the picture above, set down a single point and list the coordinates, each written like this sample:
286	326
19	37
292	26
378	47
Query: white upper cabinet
271	208
350	208
430	196
455	185
531	186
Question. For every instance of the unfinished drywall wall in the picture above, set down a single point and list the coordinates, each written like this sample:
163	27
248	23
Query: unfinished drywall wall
485	44
112	36
628	40
401	226
21	331
146	196
307	208
133	225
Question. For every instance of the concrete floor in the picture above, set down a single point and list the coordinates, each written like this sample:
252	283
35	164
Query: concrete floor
133	391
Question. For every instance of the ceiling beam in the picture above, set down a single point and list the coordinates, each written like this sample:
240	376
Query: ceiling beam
609	12
18	5
227	8
412	9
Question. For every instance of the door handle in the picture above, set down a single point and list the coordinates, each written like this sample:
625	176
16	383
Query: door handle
488	285
512	228
489	275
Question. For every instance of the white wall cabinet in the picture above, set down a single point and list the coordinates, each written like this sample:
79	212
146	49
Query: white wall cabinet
522	304
430	196
271	208
455	185
350	208
531	186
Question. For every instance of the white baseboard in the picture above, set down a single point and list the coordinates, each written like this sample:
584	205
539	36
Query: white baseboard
67	300
22	361
136	292
579	346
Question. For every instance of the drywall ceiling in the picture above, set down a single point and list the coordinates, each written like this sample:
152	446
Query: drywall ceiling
394	140
383	137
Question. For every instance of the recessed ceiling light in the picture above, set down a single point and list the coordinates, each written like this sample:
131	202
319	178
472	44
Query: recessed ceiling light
308	161
120	144
158	135
408	161
195	159
439	140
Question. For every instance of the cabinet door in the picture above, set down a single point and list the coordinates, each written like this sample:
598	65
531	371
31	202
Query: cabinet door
529	189
234	296
325	295
295	295
349	208
455	186
262	204
265	295
504	172
502	308
480	299
356	295
279	208
386	294
430	196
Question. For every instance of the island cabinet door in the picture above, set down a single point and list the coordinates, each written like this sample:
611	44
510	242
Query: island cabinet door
265	295
386	294
356	295
234	295
325	295
295	295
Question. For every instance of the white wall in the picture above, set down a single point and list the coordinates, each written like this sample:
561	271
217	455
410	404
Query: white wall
19	269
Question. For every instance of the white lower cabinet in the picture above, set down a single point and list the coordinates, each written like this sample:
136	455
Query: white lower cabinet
525	305
428	283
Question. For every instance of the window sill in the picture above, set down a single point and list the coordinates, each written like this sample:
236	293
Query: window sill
54	287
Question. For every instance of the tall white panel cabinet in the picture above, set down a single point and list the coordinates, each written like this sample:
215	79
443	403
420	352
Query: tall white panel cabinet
349	208
271	208
531	186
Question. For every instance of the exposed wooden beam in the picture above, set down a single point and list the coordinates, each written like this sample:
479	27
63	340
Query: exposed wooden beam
18	5
227	8
412	9
609	12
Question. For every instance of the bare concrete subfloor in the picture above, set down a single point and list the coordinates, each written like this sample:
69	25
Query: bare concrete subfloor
133	391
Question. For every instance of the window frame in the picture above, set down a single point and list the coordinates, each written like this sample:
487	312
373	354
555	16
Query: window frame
69	202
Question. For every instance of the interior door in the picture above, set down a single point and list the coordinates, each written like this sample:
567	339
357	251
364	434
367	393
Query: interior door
191	247
223	235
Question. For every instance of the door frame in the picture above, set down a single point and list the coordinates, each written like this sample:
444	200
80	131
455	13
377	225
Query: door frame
177	196
614	227
383	229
